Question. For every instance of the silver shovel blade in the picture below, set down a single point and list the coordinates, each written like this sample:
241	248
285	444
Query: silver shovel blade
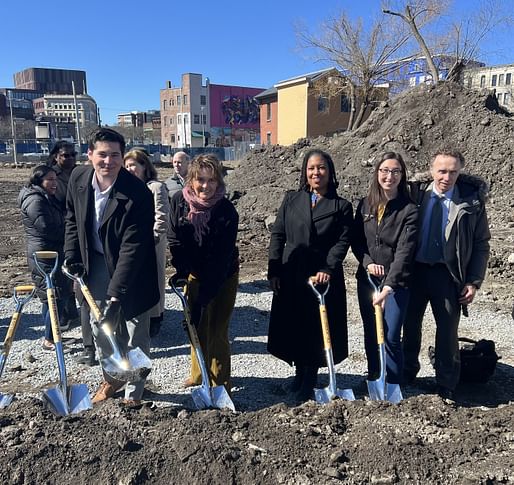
79	398
394	393
206	397
325	395
376	389
5	400
57	401
134	367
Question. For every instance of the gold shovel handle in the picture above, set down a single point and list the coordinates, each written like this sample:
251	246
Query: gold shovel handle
327	342
379	323
97	314
10	332
54	316
46	254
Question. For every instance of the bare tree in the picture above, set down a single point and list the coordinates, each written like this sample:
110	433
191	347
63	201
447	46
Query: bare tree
460	41
416	14
363	55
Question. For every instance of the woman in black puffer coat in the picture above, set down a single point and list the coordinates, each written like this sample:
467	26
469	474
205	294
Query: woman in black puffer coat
43	220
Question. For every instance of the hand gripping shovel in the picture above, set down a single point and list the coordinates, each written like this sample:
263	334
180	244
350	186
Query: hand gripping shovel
22	295
63	399
133	367
331	392
204	396
380	390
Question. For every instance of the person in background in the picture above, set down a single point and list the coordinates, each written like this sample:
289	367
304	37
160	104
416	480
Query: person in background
384	242
176	182
310	237
202	241
109	231
138	163
43	221
450	263
62	159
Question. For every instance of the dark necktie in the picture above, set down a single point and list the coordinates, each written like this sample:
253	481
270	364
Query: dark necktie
434	245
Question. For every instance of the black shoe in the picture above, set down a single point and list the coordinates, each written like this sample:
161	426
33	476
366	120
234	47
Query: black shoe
87	358
310	379
445	393
297	380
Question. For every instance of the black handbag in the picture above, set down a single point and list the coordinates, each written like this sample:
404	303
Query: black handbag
478	359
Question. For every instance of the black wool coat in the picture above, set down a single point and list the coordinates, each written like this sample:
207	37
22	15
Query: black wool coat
391	243
303	242
126	232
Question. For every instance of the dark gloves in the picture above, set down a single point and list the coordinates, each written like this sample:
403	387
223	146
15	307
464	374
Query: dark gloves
76	269
178	280
111	314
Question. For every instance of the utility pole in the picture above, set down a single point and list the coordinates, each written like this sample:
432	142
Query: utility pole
13	131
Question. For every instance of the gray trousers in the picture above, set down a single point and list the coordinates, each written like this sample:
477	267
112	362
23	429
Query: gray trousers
433	284
129	334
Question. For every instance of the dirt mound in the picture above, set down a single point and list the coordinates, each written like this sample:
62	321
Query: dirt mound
415	124
418	441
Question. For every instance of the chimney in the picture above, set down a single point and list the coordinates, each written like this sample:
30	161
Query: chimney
168	84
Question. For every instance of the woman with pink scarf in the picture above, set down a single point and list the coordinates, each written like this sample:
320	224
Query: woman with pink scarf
202	241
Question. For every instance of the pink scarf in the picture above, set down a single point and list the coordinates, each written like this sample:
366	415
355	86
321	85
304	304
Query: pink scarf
200	210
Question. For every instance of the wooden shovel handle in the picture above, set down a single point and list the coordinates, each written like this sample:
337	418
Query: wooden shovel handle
97	315
46	254
379	322
327	342
54	315
10	332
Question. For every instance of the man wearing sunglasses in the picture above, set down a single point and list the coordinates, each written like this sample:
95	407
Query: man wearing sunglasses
63	160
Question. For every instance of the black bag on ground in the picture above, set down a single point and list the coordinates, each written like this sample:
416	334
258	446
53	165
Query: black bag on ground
477	359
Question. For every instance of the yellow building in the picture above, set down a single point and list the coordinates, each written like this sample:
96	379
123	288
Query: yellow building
312	105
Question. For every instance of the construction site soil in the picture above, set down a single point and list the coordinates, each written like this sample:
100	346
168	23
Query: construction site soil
424	439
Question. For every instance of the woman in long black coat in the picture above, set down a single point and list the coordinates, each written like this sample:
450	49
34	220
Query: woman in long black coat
310	237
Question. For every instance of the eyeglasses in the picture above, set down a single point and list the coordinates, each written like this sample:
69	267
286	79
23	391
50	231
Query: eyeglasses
68	155
395	172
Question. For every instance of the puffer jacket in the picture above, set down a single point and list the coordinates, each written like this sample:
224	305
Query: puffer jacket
467	234
43	221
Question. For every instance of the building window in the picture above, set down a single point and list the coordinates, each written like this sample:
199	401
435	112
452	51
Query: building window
345	104
322	104
493	80
506	99
172	138
164	105
268	111
499	96
203	99
482	81
204	119
500	79
185	99
186	119
178	100
268	138
172	120
172	102
196	119
507	79
179	119
165	120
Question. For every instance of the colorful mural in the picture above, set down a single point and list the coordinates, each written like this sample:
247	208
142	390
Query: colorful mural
239	110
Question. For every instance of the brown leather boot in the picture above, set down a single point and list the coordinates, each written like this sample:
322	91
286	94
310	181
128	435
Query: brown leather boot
105	391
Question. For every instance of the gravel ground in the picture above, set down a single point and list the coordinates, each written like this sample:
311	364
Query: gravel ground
259	380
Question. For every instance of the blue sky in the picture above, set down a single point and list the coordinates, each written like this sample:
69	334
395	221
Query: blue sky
129	49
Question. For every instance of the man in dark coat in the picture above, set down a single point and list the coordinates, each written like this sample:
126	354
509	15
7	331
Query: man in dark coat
109	229
450	263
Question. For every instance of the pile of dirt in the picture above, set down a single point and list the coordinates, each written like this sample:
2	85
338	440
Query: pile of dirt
415	124
419	441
